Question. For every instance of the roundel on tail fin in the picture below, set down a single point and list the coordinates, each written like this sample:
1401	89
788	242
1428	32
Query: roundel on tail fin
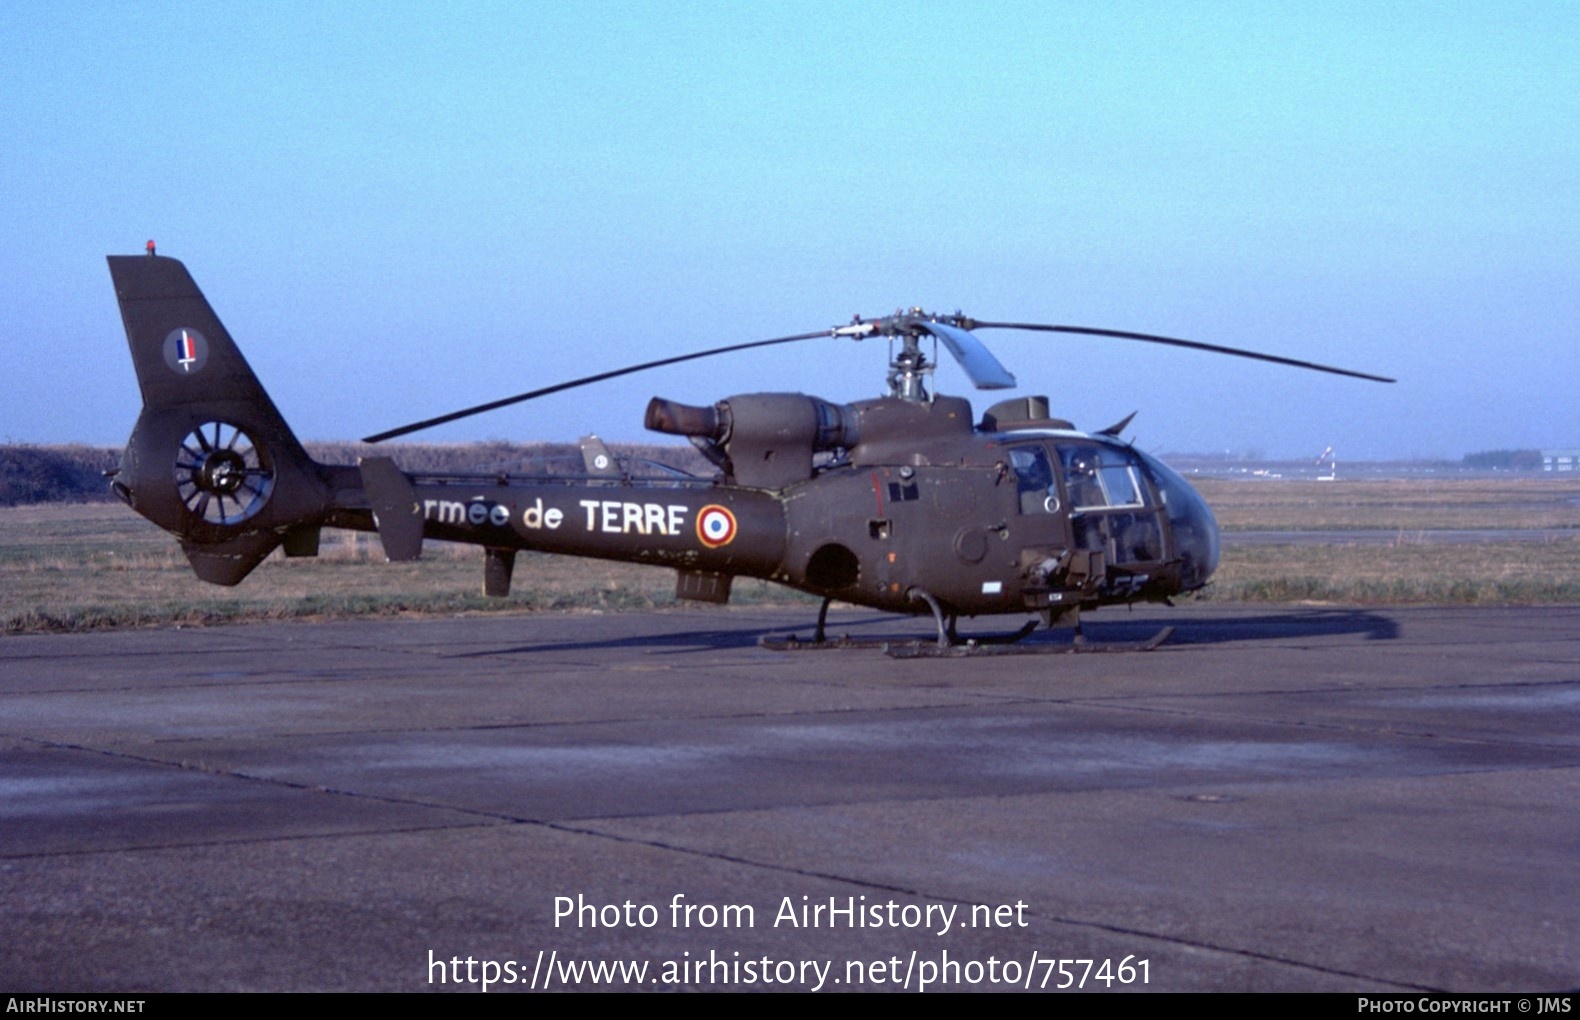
186	351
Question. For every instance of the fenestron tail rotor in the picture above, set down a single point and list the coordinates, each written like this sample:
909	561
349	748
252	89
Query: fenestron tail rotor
221	475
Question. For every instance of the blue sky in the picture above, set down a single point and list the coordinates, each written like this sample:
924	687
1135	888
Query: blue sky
399	209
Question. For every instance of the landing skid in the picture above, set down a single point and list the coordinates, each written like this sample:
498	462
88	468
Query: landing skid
999	645
949	644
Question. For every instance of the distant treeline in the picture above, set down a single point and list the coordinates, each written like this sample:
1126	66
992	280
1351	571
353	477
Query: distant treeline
75	474
1505	460
50	474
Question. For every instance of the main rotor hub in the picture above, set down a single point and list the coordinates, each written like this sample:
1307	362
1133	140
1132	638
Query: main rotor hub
909	365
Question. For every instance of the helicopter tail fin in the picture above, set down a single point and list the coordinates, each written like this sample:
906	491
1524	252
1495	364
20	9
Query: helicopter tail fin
211	460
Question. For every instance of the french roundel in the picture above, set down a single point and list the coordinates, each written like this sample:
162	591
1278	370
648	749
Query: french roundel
715	526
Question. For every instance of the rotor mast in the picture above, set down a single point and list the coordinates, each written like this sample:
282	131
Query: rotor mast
909	369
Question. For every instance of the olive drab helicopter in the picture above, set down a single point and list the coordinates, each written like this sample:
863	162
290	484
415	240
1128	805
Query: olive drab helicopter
904	502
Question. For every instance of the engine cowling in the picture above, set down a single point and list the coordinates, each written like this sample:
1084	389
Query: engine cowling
768	439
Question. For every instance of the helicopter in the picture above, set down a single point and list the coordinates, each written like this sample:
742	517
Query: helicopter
904	502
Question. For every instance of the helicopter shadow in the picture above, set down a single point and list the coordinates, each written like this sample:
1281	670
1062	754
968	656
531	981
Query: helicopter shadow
874	629
658	644
1294	624
1118	633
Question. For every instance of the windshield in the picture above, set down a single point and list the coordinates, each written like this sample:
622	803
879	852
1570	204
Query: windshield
1195	529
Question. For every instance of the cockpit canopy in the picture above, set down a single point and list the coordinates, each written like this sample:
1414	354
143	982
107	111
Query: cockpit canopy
1113	492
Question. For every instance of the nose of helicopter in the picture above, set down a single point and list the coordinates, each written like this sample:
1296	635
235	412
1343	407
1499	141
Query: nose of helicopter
1192	523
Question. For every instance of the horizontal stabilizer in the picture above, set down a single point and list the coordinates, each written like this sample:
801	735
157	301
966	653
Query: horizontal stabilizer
600	463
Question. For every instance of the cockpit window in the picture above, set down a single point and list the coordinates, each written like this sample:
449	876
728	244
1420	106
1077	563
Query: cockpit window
1121	485
1034	483
1101	478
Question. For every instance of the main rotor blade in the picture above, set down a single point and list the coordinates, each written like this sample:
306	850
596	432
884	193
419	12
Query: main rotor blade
494	405
984	370
1176	342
